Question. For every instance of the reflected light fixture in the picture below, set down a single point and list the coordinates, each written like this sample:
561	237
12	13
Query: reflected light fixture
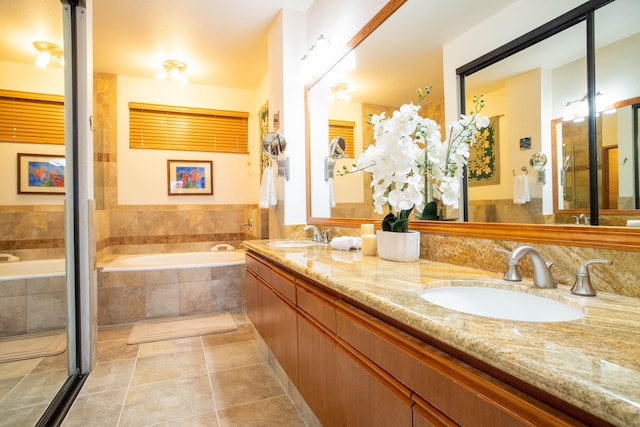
339	91
48	50
173	69
578	109
315	60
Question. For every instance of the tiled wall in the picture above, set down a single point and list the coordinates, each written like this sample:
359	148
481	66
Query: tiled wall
32	232
125	297
620	278
32	305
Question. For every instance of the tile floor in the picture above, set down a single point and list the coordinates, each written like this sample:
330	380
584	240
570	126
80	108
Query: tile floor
27	387
211	380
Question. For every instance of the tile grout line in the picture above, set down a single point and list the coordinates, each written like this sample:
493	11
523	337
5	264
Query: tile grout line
213	396
126	394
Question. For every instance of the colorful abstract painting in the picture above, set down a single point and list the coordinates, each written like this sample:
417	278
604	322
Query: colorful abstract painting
484	156
41	174
190	177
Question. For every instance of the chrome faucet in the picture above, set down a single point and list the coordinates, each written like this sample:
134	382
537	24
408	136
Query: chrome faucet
541	270
317	235
582	285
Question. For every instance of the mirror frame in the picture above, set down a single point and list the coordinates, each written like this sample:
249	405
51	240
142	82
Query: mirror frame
604	237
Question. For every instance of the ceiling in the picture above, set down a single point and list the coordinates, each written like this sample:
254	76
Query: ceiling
223	42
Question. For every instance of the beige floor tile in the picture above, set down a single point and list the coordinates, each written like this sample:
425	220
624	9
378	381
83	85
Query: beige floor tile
169	346
169	366
6	385
278	411
243	333
109	376
35	389
108	351
19	368
59	361
230	356
167	400
26	417
244	385
116	332
204	420
96	410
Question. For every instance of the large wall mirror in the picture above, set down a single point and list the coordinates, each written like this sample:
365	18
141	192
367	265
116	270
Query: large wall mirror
527	92
540	97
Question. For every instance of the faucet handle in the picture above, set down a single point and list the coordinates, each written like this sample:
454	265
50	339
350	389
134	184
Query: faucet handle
512	274
582	285
325	236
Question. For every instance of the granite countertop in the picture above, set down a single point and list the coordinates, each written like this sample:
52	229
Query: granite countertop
592	363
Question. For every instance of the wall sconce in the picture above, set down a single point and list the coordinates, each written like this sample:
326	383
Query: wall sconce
173	69
578	109
48	50
339	91
314	61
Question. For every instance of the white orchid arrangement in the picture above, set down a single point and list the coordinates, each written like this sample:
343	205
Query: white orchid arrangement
412	167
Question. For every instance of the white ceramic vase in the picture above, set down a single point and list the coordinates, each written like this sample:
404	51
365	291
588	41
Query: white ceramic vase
404	247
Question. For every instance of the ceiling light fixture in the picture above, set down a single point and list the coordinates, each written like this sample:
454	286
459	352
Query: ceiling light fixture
339	91
48	50
173	69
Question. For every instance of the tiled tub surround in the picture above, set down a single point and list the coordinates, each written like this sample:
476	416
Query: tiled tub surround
32	296
125	297
32	305
593	363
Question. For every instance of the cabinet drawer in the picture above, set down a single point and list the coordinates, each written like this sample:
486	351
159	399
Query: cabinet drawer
455	389
262	270
318	305
284	284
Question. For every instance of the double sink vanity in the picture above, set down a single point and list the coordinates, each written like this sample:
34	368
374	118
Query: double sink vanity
372	342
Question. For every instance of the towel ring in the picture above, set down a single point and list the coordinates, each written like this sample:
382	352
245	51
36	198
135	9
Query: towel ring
523	169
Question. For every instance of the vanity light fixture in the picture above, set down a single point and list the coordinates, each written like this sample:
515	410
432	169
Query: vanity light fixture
339	91
578	109
48	50
315	60
173	69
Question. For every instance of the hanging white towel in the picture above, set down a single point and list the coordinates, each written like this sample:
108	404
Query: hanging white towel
521	190
332	200
267	189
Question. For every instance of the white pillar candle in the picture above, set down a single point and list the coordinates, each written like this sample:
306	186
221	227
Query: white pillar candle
366	229
369	244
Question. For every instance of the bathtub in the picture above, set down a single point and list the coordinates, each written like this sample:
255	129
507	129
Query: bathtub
32	269
138	287
175	261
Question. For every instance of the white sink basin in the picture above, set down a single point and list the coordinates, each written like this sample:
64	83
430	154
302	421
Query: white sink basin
501	304
291	243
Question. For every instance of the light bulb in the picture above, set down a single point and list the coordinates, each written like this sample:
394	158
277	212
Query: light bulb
43	59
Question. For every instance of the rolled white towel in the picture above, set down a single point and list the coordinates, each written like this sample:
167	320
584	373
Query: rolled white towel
346	243
633	223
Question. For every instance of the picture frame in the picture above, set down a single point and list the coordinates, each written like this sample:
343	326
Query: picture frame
190	177
41	174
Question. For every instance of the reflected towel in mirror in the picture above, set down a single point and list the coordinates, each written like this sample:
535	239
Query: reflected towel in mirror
521	190
267	189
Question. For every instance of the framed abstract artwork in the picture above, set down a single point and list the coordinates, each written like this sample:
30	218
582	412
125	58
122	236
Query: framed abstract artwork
40	174
190	177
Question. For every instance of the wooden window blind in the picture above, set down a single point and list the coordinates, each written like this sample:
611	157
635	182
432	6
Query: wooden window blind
163	127
345	130
31	117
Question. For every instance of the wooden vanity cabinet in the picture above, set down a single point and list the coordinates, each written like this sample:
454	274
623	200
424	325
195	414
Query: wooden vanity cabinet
354	369
271	308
